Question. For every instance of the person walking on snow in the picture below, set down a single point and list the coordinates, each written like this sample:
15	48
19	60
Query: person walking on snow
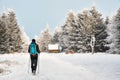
34	51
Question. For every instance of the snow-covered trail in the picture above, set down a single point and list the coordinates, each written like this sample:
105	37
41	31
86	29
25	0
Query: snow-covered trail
105	66
51	68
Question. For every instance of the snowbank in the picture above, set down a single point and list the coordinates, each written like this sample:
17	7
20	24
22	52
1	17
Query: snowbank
61	67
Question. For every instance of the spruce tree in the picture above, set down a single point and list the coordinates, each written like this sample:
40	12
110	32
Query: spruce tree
56	36
44	39
15	40
11	36
4	45
113	30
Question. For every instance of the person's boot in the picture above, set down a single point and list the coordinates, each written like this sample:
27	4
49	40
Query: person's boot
34	72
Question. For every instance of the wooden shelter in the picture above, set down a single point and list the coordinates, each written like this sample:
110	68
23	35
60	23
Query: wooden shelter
53	48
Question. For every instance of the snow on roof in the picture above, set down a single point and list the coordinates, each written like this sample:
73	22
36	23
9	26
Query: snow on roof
53	46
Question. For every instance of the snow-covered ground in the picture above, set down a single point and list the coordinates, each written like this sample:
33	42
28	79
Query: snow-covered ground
61	67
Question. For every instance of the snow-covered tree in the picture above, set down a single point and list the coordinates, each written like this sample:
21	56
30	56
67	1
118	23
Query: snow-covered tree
78	31
107	20
3	35
66	30
93	25
56	35
15	40
84	23
113	30
72	37
71	24
44	39
64	38
11	34
100	30
76	37
25	40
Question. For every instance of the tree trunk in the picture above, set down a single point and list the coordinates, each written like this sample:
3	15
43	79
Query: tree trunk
92	43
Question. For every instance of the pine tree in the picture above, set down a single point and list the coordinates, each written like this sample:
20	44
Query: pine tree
25	40
66	31
93	25
3	35
100	31
11	36
56	36
107	20
114	34
44	39
15	40
84	24
77	38
64	38
72	32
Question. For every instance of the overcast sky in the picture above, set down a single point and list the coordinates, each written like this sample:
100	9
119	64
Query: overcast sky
33	15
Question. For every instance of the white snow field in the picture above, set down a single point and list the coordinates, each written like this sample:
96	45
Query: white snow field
61	66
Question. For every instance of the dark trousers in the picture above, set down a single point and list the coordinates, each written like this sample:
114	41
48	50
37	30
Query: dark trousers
34	59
